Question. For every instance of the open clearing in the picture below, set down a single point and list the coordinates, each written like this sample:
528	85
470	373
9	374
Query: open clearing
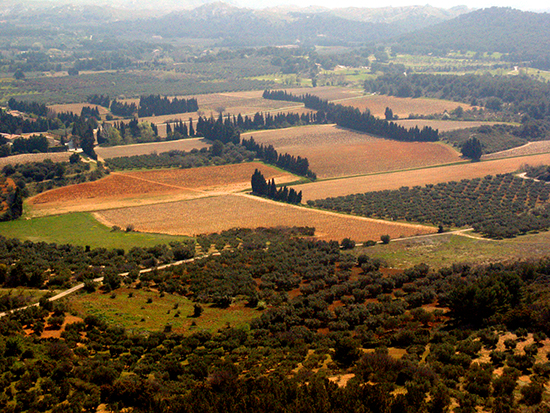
395	180
403	107
215	214
136	314
145	187
443	125
77	108
529	149
147	148
79	229
35	157
445	250
334	152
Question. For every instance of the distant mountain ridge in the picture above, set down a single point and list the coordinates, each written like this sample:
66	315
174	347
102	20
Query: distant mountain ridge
524	35
250	27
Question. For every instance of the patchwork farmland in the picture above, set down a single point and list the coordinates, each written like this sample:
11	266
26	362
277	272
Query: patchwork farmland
215	214
402	107
145	187
334	152
395	180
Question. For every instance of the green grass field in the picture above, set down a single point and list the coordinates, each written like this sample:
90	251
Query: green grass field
80	229
445	250
135	313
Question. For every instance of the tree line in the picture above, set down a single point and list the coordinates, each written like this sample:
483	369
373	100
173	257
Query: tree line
269	189
353	118
150	105
291	163
521	98
155	105
39	109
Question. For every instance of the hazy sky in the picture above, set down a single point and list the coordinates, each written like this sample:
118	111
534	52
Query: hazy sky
534	5
518	4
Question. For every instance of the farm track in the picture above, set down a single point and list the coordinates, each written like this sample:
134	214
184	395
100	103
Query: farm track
80	286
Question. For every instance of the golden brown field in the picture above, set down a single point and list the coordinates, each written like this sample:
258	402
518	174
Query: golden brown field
403	107
147	148
77	108
333	151
327	92
214	214
146	187
395	180
35	157
442	125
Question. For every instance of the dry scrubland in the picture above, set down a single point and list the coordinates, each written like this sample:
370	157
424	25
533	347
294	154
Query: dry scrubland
147	148
35	157
145	187
335	152
395	180
214	214
403	107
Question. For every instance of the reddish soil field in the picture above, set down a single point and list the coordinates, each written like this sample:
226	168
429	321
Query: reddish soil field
395	180
214	214
145	187
335	152
147	148
403	107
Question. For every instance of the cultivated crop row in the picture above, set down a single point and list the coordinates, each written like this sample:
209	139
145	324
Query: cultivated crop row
497	206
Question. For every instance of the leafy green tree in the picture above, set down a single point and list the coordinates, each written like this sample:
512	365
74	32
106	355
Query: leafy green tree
472	149
19	75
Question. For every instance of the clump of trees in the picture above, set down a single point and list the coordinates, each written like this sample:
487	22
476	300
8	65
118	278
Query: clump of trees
269	189
541	172
472	149
268	154
155	105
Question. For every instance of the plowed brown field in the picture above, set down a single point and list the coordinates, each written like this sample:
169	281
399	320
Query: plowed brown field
146	187
35	157
442	125
395	180
402	107
334	152
77	108
214	214
328	92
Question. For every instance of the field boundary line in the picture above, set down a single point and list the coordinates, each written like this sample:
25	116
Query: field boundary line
320	211
157	182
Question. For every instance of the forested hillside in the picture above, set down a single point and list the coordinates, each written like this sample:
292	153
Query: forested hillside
525	36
